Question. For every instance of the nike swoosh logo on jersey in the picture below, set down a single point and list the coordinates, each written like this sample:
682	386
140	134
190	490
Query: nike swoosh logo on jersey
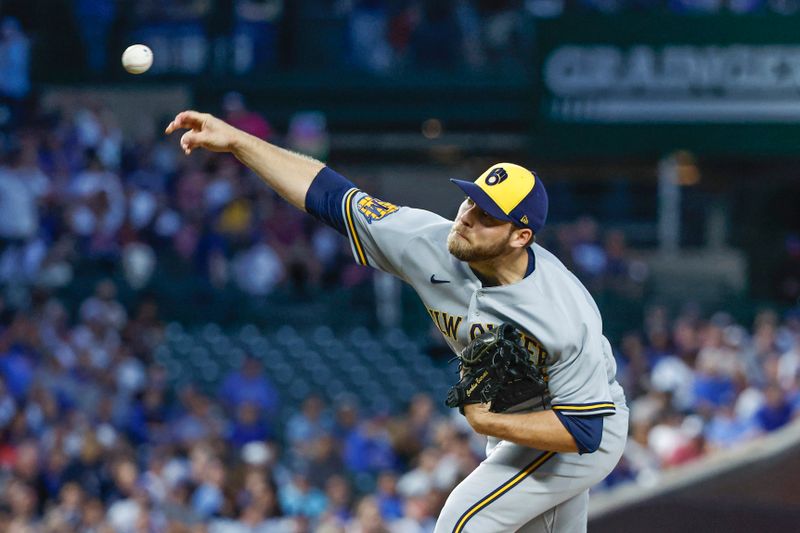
437	281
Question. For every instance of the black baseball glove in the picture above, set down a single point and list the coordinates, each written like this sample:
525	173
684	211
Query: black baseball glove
496	369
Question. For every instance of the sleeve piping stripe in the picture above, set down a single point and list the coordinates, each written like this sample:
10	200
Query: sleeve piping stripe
586	407
597	412
361	258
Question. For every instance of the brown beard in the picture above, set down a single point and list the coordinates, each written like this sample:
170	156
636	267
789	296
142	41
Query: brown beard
467	252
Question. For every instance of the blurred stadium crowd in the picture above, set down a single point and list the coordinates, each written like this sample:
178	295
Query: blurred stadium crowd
98	436
76	196
377	36
99	433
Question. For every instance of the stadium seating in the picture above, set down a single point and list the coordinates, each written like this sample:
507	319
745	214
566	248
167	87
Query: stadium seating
381	369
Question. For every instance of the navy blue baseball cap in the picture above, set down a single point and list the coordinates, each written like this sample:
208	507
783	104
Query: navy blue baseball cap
509	192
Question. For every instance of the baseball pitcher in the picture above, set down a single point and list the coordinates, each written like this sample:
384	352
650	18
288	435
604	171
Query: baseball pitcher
537	374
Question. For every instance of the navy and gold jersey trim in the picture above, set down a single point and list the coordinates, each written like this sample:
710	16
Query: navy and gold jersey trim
358	248
578	409
502	489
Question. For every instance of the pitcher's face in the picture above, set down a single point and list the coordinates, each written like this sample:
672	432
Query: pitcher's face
476	235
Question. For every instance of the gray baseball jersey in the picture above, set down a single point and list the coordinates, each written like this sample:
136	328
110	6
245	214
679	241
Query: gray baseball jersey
561	328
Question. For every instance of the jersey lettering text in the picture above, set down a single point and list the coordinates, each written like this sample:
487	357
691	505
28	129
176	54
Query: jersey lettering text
446	323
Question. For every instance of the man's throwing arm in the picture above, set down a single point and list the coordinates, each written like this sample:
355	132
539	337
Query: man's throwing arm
287	173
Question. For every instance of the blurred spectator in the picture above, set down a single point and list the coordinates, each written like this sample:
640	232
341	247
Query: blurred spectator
93	518
340	498
125	479
88	469
587	254
145	332
422	479
21	190
95	19
719	366
622	274
390	503
308	134
236	113
208	498
307	426
147	416
327	248
103	304
97	131
776	411
368	449
67	513
139	264
299	497
676	440
26	470
415	430
788	368
22	503
368	518
458	459
418	516
18	360
14	70
249	385
258	269
368	25
346	419
21	186
726	429
99	210
671	375
325	461
249	425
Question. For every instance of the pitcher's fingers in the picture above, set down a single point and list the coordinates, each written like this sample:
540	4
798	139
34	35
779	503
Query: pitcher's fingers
177	123
190	140
185	119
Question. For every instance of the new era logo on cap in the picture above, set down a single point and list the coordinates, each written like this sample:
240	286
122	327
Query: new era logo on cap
509	192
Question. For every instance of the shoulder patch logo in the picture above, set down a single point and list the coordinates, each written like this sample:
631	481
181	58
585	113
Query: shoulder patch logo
374	209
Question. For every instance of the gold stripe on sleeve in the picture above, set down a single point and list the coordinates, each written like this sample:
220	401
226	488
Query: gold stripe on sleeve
584	407
351	226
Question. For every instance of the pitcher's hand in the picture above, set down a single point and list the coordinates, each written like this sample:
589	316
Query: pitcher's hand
205	131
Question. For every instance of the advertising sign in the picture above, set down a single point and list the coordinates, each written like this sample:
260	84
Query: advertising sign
647	85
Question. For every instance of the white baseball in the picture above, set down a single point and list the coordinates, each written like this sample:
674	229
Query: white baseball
137	58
